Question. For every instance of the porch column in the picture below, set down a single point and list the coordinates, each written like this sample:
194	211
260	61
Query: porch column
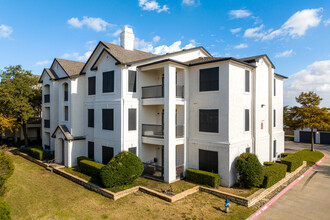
186	117
169	123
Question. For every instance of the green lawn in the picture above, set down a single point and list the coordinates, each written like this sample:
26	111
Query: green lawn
310	156
35	193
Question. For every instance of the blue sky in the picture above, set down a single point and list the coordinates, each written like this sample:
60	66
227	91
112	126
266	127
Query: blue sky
294	34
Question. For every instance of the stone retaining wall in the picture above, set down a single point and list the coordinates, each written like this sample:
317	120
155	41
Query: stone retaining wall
249	201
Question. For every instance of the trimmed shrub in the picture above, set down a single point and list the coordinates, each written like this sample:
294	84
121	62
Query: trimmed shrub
268	163
123	169
5	212
292	161
36	153
285	154
249	169
203	177
90	167
273	173
83	158
37	147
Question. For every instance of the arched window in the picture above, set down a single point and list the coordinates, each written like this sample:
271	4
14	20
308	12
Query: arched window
66	91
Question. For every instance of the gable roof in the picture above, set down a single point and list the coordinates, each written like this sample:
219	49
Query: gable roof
255	58
65	131
70	67
280	76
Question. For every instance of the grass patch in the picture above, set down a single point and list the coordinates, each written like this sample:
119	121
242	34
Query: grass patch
34	192
236	190
310	156
289	136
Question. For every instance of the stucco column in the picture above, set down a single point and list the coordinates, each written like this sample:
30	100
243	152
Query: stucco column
68	153
169	124
186	123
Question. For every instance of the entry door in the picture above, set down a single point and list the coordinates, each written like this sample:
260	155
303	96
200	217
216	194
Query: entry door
107	154
62	146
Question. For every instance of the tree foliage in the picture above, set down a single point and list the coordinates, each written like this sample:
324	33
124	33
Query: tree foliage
20	95
7	123
309	114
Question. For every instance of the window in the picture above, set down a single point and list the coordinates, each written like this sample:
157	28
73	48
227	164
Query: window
66	92
91	85
131	81
274	87
107	154
131	119
247	81
209	79
209	120
274	118
91	118
132	150
108	81
208	161
274	153
248	150
247	120
66	113
91	149
107	119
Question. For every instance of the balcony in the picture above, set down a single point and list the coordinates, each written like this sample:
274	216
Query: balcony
157	91
46	98
34	121
157	131
46	123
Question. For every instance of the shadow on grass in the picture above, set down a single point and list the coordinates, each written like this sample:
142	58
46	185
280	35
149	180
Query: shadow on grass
219	209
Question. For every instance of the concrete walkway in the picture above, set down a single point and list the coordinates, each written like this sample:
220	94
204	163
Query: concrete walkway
309	198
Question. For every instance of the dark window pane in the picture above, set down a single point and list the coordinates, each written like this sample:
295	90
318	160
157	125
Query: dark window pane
247	150
91	149
274	118
247	119
91	85
131	81
66	92
107	119
209	120
274	155
66	113
91	118
132	150
208	161
108	81
247	81
107	154
209	79
274	87
131	119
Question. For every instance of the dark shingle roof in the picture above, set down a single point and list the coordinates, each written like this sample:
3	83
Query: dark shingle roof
254	58
281	76
51	73
71	67
204	60
126	56
65	131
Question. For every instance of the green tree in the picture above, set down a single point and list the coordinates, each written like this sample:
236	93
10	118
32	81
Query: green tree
309	114
20	96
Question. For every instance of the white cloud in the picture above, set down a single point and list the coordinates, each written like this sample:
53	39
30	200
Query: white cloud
43	63
116	33
296	26
90	45
241	46
316	77
156	39
152	5
239	13
190	2
235	30
97	24
5	31
141	44
326	22
176	46
286	53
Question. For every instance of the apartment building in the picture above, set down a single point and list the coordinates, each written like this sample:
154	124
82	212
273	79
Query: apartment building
175	111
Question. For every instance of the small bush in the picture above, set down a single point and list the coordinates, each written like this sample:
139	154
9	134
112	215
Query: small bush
249	169
123	169
36	153
273	172
5	212
90	167
203	177
292	161
83	158
285	154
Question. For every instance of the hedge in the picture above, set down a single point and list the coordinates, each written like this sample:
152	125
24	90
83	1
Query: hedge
36	153
273	172
285	154
292	161
90	167
249	169
4	210
203	177
123	169
83	158
6	168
